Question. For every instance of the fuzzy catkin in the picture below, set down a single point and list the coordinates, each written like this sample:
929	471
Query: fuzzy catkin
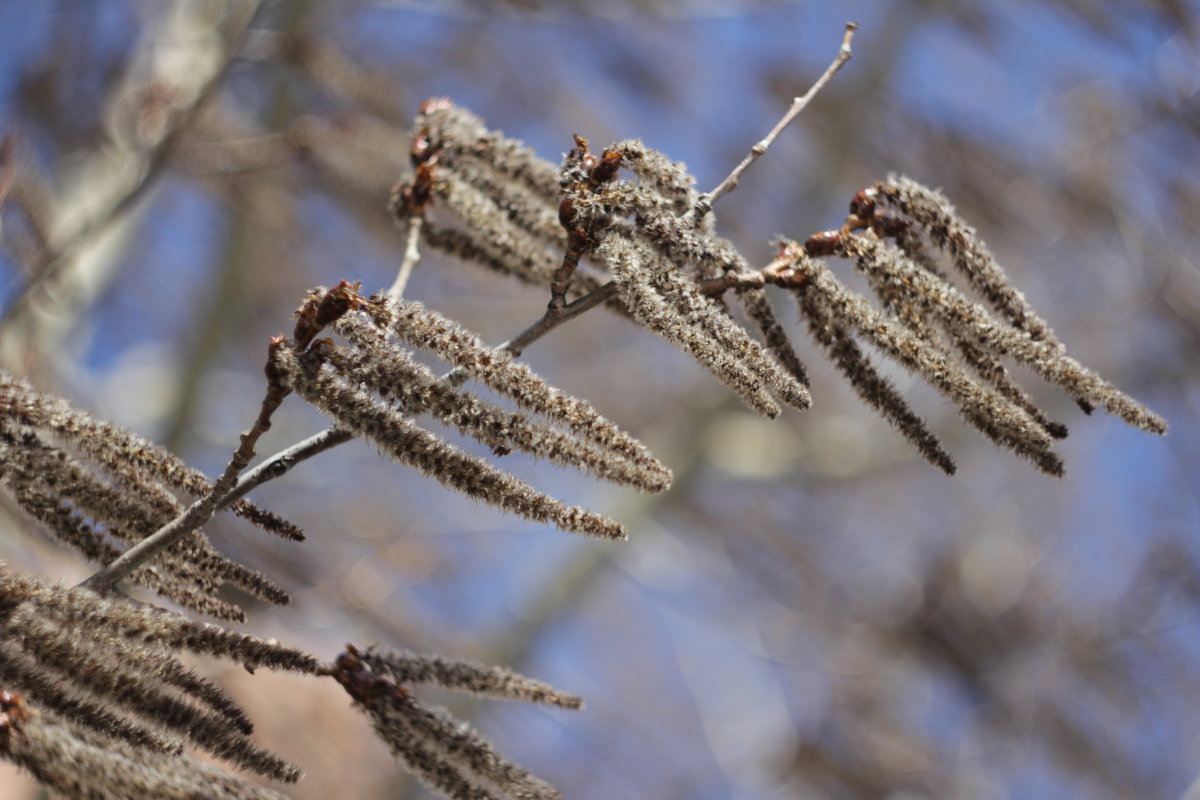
67	526
933	213
992	414
420	327
626	263
445	754
120	452
463	748
359	413
463	134
467	676
496	233
969	319
390	371
110	664
872	388
62	495
116	680
74	763
413	749
91	615
21	673
724	332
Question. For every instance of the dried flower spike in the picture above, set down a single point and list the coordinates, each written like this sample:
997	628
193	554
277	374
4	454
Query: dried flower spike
444	754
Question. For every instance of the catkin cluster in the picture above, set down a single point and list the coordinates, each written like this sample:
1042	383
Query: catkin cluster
99	488
517	214
104	687
372	387
652	237
446	755
903	238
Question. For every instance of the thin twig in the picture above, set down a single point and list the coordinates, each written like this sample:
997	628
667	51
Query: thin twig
553	317
412	256
705	203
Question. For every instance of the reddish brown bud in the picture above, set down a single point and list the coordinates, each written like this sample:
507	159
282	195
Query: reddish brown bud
336	302
13	714
423	149
605	168
863	203
825	243
274	376
566	214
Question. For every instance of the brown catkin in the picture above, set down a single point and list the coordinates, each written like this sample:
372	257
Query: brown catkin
934	214
420	327
359	413
989	412
467	676
120	452
77	763
390	371
627	264
971	320
872	388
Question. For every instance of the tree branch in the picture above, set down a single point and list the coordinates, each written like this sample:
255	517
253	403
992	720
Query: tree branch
706	201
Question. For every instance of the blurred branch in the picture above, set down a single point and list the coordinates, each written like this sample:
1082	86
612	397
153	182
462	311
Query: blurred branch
147	167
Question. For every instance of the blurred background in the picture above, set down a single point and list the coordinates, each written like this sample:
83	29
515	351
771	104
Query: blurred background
812	610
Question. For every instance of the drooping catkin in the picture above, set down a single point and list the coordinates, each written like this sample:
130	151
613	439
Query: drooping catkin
357	411
391	371
21	673
626	262
446	755
465	750
110	664
63	523
459	132
872	388
416	752
758	308
647	258
669	179
933	213
142	669
531	212
498	235
721	329
420	327
988	411
75	762
114	679
913	243
466	246
466	676
971	321
108	619
121	453
60	493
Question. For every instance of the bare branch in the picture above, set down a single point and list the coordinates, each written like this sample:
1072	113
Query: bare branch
412	256
706	201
